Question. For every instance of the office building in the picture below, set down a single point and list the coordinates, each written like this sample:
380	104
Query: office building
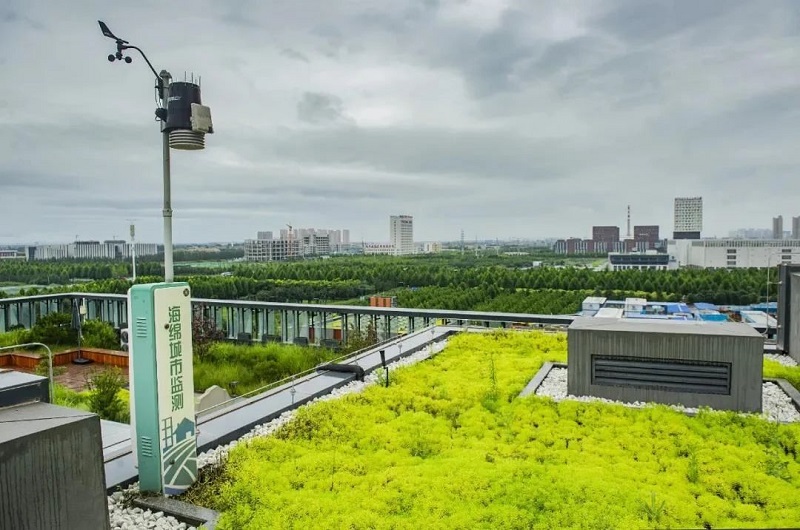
734	253
295	243
109	249
401	234
372	249
9	254
795	227
688	218
650	260
752	233
649	233
587	246
429	248
271	249
777	227
606	234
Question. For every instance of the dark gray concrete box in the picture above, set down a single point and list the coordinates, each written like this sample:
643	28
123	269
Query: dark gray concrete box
51	469
714	364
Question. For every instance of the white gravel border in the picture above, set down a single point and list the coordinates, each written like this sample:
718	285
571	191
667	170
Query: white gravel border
777	405
780	358
130	518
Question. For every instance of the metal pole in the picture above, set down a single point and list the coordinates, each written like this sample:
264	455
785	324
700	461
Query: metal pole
167	211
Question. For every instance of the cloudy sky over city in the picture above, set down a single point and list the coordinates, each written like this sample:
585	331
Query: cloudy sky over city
501	118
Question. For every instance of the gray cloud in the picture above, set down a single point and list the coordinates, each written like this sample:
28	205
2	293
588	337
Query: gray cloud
294	54
506	119
319	108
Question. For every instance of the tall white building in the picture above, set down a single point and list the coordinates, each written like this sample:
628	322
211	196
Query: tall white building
401	234
688	222
795	227
777	227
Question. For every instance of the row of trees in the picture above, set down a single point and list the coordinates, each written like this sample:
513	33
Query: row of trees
230	288
721	285
445	282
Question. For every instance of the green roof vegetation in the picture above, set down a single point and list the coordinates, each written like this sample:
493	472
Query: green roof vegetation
449	445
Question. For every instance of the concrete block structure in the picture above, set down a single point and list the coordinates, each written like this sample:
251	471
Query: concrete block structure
690	363
788	335
52	474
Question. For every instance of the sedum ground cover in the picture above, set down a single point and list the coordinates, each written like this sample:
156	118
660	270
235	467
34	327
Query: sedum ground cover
447	445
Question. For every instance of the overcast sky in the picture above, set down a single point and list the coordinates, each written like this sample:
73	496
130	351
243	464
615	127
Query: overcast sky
504	118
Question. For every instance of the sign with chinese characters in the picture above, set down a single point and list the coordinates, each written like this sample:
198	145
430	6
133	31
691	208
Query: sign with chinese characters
162	387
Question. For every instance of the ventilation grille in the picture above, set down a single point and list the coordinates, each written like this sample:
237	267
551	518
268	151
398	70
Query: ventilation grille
705	378
141	327
146	446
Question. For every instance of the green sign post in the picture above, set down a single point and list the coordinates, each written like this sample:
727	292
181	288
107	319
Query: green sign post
162	386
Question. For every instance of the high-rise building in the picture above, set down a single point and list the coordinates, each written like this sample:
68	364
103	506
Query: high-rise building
777	227
401	234
607	234
795	227
688	218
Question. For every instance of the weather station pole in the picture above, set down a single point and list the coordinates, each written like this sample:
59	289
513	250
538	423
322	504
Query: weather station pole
184	124
163	419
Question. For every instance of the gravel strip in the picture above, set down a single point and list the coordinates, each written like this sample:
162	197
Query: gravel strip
780	358
123	518
777	406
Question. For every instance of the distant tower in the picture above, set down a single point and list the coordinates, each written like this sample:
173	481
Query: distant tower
462	241
133	252
629	222
777	227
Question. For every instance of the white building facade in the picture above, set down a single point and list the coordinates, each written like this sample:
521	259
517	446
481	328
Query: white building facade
734	253
688	217
401	234
373	249
111	249
271	249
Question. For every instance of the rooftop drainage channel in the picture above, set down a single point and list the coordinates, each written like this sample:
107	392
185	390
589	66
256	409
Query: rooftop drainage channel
229	424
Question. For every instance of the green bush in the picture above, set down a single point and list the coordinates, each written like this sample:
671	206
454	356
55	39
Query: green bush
54	329
426	453
104	395
99	334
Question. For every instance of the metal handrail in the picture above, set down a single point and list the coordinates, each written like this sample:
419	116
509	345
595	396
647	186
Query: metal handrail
51	382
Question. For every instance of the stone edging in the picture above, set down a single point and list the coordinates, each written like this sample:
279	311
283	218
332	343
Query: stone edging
182	511
541	375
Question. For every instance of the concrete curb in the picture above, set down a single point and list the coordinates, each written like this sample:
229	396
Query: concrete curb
182	511
783	384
